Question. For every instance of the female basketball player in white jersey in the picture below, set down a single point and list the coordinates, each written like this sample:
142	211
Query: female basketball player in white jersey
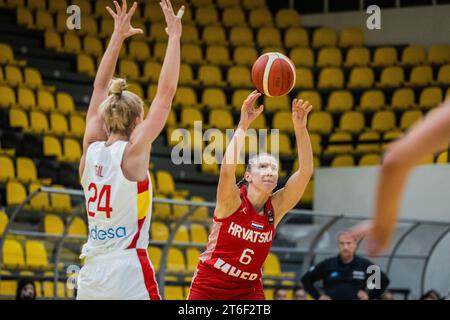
114	169
428	136
247	214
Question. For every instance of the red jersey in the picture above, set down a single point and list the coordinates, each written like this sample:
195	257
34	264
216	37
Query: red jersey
239	244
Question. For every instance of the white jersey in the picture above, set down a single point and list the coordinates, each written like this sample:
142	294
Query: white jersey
119	210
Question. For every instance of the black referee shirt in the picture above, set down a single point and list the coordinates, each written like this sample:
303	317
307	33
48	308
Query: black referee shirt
342	281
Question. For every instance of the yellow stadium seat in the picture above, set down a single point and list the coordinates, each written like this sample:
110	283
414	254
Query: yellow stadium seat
320	122
186	97
26	170
209	165
221	119
33	78
260	18
107	27
175	261
53	224
24	17
85	6
72	43
343	161
13	255
77	126
392	77
52	40
93	46
214	98
8	172
331	78
151	71
18	119
159	231
165	183
372	100
282	120
153	13
313	97
72	150
444	75
45	101
413	55
271	266
390	137
361	77
58	124
36	255
296	37
430	97
305	78
174	293
352	121
383	121
191	54
190	35
26	98
329	57
253	4
15	193
101	12
60	202
61	21
259	122
77	227
409	118
276	103
35	4
357	57
366	142
302	57
241	36
239	76
3	221
287	18
218	55
182	234
158	33
40	201
223	4
6	54
370	159
233	17
65	103
48	287
7	96
214	35
38	122
189	116
316	143
206	16
179	210
44	20
268	36
13	75
442	158
136	88
52	147
402	99
85	64
129	69
198	233
340	101
421	76
385	56
439	54
245	56
324	37
186	75
192	255
200	213
239	97
339	148
154	254
210	75
351	37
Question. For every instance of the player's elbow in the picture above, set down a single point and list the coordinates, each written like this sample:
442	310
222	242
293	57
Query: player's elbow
167	91
394	160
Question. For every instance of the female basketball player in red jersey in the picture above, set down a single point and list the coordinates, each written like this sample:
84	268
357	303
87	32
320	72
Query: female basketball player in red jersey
114	169
428	136
246	215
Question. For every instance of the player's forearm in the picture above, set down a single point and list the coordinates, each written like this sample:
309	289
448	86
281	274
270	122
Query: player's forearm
304	151
233	151
108	63
170	70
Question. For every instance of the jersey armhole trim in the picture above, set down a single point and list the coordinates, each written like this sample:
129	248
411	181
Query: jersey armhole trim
83	177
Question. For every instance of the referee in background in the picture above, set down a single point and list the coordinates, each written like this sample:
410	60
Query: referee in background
345	276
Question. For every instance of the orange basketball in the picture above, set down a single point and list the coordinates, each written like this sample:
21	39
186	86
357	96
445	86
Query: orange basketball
273	74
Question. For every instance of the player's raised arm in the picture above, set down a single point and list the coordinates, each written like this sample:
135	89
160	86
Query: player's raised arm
287	198
152	126
228	198
122	29
429	136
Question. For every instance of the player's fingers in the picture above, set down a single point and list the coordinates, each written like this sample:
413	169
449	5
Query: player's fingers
118	10
137	31
305	104
132	10
169	6
111	12
309	109
124	6
180	12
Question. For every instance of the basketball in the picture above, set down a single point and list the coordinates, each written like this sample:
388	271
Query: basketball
273	74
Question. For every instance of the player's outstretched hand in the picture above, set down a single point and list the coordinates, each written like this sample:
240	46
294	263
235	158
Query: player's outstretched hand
122	20
373	245
173	21
248	110
300	111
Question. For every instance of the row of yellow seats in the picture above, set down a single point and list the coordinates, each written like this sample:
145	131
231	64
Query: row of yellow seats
194	232
16	192
7	56
37	122
22	169
163	211
15	76
373	159
33	257
360	56
44	289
